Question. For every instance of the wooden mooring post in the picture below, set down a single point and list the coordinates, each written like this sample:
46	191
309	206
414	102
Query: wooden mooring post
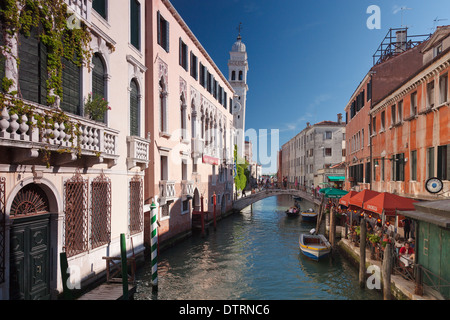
123	252
386	272
362	254
332	227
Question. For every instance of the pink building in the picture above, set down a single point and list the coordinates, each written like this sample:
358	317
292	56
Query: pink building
190	121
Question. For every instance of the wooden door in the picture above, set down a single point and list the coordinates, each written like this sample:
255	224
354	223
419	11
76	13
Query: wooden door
29	261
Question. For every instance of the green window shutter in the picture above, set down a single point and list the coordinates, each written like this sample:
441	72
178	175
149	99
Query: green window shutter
134	109
98	77
135	23
100	6
29	68
71	82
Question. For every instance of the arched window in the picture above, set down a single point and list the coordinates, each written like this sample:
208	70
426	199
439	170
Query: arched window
98	78
183	117
233	75
134	109
241	76
162	106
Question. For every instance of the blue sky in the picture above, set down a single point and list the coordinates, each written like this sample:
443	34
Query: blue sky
306	58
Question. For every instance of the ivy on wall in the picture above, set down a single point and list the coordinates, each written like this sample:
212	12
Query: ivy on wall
51	19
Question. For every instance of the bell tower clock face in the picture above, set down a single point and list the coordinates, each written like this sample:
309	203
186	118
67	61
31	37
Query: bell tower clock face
433	185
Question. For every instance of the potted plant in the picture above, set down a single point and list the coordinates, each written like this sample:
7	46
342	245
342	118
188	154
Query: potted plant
95	107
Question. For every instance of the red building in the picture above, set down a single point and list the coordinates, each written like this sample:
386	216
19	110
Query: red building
397	58
410	132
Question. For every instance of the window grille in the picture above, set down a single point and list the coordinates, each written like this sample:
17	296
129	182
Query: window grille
136	205
2	228
76	219
100	211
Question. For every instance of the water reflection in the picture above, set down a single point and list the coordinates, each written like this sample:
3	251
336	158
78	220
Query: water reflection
252	255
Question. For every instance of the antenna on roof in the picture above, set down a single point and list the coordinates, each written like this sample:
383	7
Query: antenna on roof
435	22
403	9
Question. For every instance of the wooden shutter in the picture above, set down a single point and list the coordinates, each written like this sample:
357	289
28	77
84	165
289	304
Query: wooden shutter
134	109
100	6
29	68
135	23
158	27
98	77
167	35
71	81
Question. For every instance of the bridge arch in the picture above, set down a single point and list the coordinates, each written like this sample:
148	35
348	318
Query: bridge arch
244	202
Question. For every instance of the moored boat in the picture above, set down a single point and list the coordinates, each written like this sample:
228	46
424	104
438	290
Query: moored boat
314	246
309	215
293	211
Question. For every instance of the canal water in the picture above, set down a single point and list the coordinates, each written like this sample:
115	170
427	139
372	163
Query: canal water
253	255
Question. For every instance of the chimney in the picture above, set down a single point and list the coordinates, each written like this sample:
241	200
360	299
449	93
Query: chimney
307	124
339	118
400	45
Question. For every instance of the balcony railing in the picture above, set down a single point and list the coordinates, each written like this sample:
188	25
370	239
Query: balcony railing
65	139
137	152
167	190
187	188
81	7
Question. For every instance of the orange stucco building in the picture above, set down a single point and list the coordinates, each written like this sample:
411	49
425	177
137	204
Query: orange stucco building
410	140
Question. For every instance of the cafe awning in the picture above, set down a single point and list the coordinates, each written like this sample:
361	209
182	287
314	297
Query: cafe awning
333	192
336	178
389	203
362	196
345	199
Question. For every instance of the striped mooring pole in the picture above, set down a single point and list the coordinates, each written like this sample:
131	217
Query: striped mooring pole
154	247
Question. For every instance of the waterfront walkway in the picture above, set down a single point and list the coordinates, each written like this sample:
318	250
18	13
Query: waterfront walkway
401	288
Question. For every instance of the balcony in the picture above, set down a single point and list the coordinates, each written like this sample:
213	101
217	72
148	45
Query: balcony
46	137
82	8
166	191
137	152
187	188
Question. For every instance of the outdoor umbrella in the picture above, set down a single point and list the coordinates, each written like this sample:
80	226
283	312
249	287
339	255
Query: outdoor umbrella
363	196
388	203
345	199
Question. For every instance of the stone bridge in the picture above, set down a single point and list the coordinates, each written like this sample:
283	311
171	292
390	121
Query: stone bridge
244	202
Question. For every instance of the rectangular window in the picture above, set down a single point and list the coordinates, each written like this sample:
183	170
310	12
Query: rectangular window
328	152
383	120
430	95
328	135
393	115
430	162
100	211
209	81
369	90
164	168
202	75
400	111
414	165
382	169
398	167
136	223
374	125
135	23
443	88
443	169
165	212
194	66
183	54
101	7
414	104
163	32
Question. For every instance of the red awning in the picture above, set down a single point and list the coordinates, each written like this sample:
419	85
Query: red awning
362	196
389	202
345	199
